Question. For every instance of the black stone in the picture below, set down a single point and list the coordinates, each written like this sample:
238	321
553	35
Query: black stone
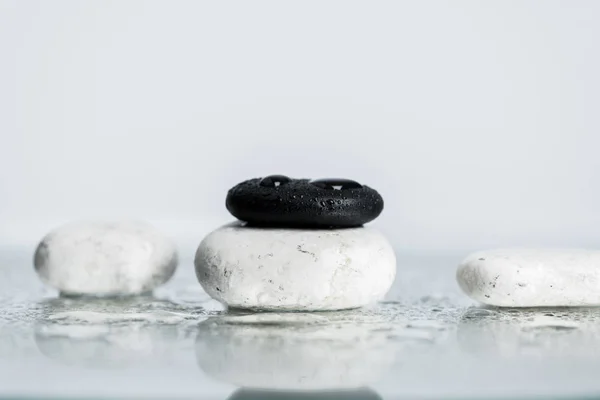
279	201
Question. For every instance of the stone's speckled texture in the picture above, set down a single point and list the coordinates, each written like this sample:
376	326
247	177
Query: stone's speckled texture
295	269
328	203
105	259
296	352
532	277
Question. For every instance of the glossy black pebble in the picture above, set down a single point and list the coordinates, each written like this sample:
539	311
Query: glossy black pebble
279	201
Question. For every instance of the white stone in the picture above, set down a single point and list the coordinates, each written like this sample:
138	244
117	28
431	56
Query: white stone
105	259
295	269
532	277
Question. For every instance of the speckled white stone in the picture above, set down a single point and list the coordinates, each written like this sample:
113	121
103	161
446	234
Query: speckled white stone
295	269
105	259
532	277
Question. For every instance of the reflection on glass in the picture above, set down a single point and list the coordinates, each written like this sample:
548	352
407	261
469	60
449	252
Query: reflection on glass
110	333
530	332
296	355
255	394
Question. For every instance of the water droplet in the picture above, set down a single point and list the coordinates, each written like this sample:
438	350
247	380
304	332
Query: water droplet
263	297
274	181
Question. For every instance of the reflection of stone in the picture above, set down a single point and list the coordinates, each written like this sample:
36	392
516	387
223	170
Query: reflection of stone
110	333
359	394
102	345
13	341
295	351
530	332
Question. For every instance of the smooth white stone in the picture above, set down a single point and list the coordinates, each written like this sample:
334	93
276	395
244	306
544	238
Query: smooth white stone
532	277
295	269
105	259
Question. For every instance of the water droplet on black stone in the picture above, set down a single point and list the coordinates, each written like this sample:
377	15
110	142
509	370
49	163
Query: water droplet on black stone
336	184
274	181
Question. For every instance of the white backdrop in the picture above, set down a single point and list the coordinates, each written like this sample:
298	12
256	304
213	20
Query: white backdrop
478	121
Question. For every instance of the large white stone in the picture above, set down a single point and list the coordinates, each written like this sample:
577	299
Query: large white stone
532	277
295	269
105	259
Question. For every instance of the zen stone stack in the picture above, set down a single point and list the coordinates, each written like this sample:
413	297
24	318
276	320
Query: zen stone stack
299	245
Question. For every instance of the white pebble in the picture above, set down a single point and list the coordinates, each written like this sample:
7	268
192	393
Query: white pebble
532	277
295	269
105	259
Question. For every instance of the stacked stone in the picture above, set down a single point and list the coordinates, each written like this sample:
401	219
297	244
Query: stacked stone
299	245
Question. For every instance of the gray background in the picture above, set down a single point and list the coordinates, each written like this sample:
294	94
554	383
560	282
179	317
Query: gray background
477	121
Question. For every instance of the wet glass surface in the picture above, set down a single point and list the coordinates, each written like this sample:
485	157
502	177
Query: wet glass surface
426	340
